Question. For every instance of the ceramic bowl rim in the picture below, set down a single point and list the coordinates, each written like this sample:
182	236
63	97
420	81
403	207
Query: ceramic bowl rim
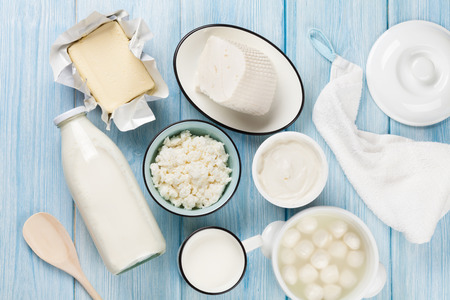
318	188
335	211
158	197
174	62
180	250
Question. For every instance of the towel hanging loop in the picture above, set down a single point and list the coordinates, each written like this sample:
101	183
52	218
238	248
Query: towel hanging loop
322	44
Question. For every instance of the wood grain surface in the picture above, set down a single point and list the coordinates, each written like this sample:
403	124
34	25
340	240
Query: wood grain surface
31	178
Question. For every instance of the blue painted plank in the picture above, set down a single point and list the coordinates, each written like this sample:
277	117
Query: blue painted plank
248	213
31	178
143	282
352	27
422	271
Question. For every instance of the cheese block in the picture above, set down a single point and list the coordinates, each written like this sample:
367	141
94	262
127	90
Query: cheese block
112	73
236	76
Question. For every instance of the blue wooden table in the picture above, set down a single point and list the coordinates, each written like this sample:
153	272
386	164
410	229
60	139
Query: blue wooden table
31	178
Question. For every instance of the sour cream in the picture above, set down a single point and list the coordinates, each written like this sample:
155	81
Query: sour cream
290	169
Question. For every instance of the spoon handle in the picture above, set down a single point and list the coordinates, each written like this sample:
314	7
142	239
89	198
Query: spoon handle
87	286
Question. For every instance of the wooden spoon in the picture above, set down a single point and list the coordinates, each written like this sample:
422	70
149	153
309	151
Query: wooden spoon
50	241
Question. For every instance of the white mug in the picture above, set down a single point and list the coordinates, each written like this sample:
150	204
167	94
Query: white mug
218	285
371	284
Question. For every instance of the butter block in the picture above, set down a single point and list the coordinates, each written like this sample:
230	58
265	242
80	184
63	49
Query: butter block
111	71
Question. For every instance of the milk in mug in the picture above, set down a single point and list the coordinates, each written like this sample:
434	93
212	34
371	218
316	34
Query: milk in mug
212	260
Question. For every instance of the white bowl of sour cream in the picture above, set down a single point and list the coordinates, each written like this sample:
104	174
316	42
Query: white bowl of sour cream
290	169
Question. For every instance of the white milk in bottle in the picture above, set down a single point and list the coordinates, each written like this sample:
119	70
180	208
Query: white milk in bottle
107	195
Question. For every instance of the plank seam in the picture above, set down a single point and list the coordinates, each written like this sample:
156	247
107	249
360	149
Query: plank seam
286	213
390	229
74	229
180	96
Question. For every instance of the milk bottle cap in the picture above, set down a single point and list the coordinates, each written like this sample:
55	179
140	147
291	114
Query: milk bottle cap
68	114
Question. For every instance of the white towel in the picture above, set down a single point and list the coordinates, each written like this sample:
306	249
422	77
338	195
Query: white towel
404	182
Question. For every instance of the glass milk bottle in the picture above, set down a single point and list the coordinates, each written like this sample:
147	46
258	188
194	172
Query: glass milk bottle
107	195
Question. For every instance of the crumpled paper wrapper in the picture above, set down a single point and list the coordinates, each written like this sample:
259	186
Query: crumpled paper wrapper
132	114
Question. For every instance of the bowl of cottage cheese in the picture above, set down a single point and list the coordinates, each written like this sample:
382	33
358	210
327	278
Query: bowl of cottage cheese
192	168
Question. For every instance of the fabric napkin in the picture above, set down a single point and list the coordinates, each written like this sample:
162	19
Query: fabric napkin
404	182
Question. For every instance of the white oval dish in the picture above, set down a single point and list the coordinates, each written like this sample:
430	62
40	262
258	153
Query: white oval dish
323	168
408	73
289	95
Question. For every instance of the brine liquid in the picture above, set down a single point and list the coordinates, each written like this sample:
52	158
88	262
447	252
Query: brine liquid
322	257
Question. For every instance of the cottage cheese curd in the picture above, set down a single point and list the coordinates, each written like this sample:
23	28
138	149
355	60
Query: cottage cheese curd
191	171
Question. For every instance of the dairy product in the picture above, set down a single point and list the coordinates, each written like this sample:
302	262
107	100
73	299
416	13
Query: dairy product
287	256
320	259
307	225
338	249
289	274
107	195
304	249
308	273
212	260
313	292
330	274
191	171
236	76
111	71
291	237
352	240
327	266
321	238
338	228
331	292
355	259
289	171
347	279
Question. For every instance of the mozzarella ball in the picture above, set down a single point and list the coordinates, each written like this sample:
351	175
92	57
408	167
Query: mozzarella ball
330	274
347	279
290	238
321	238
287	256
355	259
352	240
307	225
338	228
289	275
307	274
313	291
320	259
304	249
331	292
338	249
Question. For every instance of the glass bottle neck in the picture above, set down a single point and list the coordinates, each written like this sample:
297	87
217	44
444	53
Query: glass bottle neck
60	125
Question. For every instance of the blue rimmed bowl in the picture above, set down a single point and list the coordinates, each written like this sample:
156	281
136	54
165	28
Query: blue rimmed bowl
200	128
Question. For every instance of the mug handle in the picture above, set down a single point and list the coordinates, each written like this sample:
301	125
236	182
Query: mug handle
252	243
378	283
265	241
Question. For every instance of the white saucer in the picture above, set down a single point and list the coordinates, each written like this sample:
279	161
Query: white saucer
408	73
289	95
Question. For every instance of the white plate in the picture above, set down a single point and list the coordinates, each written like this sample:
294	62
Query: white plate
289	96
408	73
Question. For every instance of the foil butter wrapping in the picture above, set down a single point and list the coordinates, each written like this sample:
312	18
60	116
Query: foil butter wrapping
131	114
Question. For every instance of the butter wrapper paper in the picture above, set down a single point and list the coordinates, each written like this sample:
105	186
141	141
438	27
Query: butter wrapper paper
132	114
